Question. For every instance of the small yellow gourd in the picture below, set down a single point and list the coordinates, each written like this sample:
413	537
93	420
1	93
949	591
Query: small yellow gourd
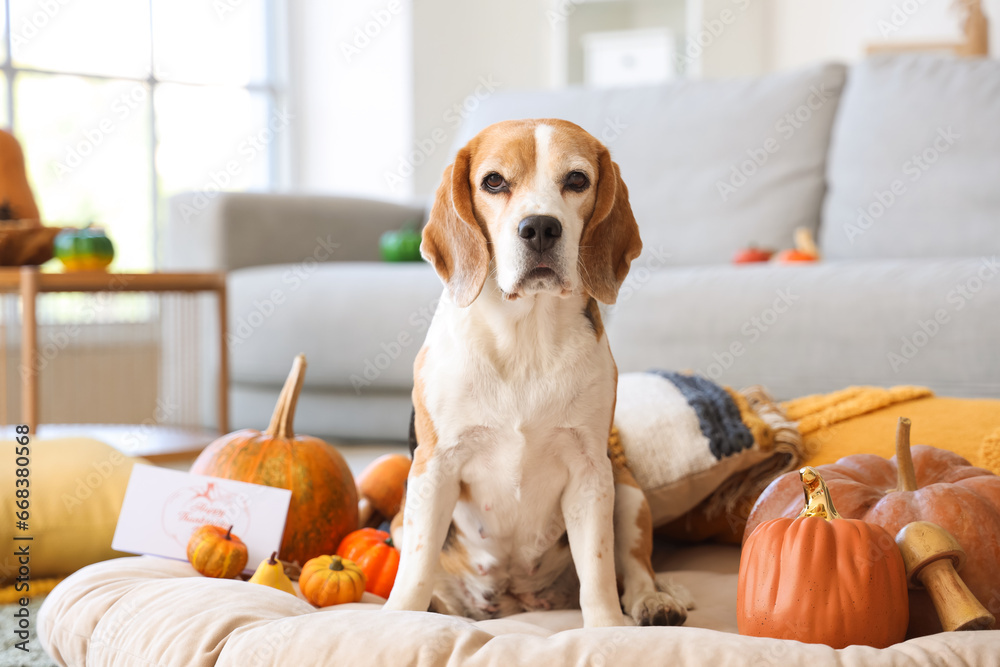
271	573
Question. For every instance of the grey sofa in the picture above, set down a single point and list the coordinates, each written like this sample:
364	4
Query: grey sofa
893	163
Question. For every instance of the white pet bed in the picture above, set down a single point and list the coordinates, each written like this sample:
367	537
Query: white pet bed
150	611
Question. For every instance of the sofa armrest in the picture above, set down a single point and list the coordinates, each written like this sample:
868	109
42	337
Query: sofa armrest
236	230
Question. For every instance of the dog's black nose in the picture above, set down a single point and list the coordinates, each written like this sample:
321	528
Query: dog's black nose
540	231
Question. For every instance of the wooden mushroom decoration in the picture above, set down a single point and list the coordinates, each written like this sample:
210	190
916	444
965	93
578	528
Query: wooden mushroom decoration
933	558
381	489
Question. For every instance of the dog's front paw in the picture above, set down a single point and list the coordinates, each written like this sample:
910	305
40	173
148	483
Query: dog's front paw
658	609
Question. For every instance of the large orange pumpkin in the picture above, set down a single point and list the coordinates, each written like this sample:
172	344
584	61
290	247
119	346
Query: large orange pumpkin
927	484
324	505
822	579
375	554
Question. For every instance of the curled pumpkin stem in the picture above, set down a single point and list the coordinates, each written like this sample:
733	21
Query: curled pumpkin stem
818	501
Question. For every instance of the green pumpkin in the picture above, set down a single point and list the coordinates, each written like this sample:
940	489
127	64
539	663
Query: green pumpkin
401	246
87	249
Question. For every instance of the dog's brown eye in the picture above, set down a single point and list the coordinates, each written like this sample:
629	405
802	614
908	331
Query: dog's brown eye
577	181
494	182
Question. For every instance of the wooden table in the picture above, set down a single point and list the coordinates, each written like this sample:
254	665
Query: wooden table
30	282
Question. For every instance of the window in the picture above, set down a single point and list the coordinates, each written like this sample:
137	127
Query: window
119	104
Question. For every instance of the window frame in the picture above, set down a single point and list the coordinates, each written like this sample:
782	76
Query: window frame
274	88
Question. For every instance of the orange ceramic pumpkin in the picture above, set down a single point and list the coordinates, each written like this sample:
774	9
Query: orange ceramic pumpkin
381	487
324	506
330	580
377	557
928	484
822	579
216	552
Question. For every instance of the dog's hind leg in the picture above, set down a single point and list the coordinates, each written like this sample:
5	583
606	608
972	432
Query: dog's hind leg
642	599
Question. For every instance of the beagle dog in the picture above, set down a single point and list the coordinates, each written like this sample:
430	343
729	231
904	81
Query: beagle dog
514	392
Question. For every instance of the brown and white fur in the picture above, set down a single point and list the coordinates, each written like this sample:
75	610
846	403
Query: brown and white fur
514	392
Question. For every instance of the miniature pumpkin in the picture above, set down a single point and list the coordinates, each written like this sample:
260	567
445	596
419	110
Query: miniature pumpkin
216	552
324	506
927	484
87	249
330	580
271	573
822	579
375	554
805	249
381	487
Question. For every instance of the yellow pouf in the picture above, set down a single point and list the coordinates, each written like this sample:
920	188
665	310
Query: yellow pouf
76	491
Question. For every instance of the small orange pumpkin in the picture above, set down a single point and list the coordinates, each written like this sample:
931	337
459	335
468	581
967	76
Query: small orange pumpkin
330	580
215	552
381	487
377	557
822	579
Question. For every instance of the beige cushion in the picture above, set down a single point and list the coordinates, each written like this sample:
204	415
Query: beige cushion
77	486
146	611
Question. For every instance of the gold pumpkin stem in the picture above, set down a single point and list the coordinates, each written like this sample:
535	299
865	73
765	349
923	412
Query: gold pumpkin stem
907	476
818	501
284	411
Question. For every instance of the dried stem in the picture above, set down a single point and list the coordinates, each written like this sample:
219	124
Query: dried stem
907	479
284	411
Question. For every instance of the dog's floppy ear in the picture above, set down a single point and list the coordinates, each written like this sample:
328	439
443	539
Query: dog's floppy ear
610	238
452	241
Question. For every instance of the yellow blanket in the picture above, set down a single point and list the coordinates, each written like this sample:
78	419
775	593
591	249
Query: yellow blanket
863	420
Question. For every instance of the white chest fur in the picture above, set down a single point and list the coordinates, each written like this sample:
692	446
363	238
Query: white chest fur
511	386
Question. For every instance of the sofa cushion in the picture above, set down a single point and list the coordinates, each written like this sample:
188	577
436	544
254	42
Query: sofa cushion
360	324
711	166
818	327
915	160
361	414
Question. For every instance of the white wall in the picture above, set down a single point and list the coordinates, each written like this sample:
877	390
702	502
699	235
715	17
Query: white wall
379	118
463	50
379	87
806	31
351	80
